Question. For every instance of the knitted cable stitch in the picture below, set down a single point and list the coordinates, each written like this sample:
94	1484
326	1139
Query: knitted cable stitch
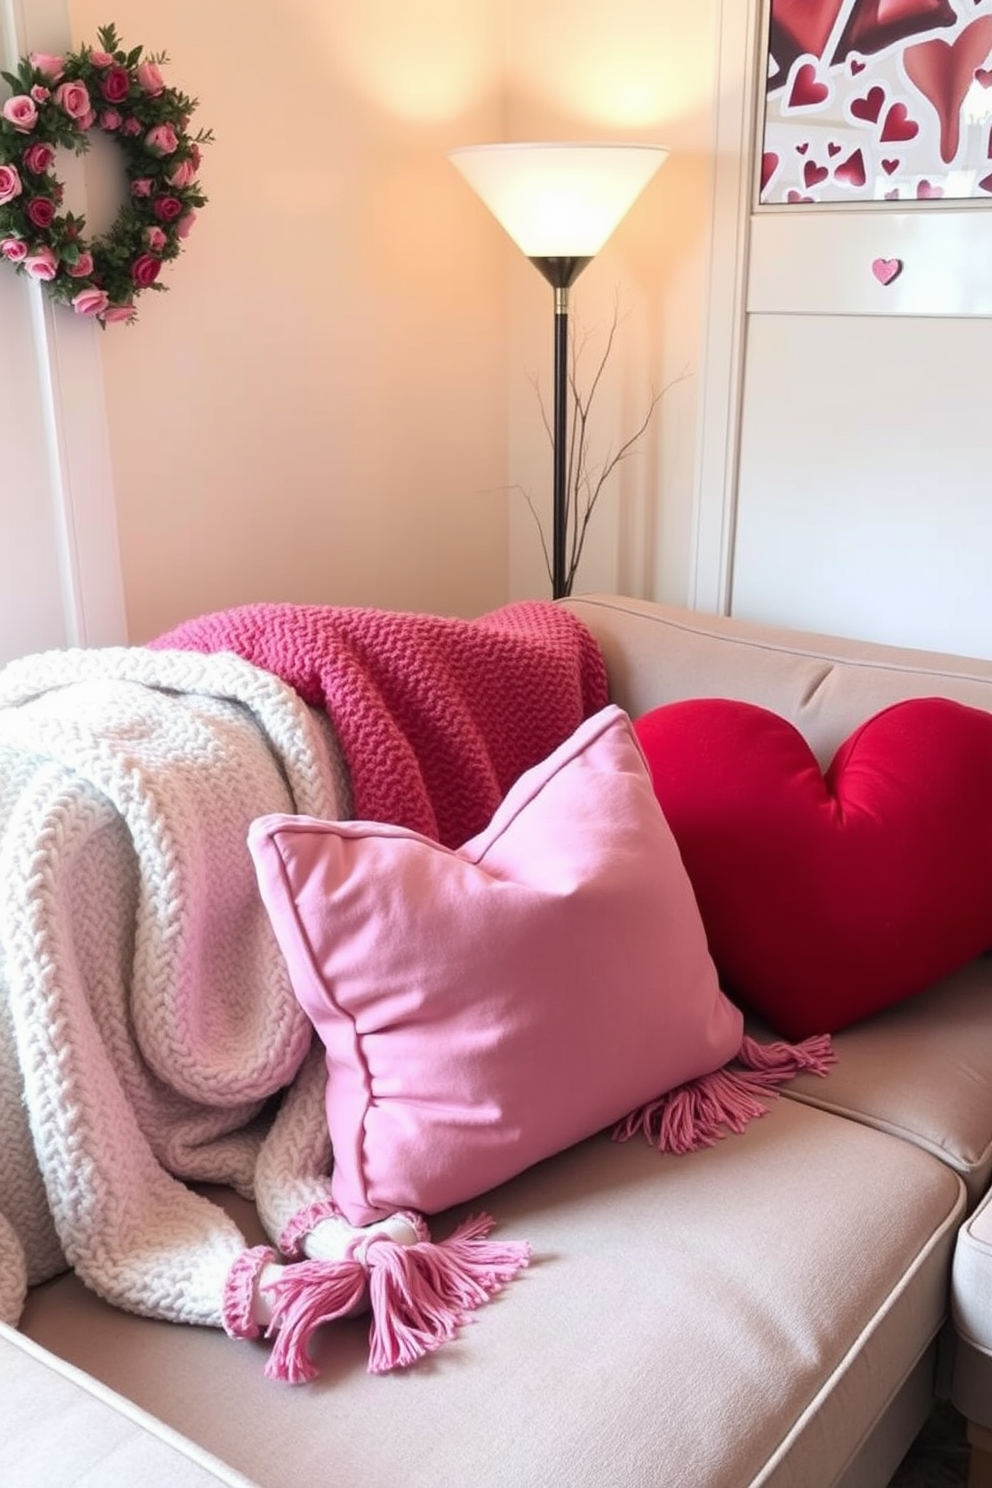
148	1011
437	716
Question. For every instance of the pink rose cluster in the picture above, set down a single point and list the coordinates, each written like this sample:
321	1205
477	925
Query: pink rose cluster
21	111
11	185
56	93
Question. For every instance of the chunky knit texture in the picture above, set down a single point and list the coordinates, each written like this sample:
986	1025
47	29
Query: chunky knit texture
146	1015
437	716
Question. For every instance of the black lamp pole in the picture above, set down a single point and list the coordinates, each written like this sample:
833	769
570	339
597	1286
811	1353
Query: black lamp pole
561	274
559	196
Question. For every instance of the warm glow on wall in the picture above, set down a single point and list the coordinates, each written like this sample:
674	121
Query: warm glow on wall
640	69
422	60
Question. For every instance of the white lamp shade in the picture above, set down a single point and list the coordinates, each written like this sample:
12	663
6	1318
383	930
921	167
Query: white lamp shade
560	200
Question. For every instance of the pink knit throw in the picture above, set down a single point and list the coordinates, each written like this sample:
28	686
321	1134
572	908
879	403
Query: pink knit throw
436	716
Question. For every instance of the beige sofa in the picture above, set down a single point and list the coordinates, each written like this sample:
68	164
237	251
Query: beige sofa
774	1310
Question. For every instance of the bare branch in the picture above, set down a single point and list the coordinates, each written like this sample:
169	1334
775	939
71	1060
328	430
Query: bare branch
584	482
537	523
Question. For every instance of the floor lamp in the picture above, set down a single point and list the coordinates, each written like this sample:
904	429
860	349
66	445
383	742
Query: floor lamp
559	203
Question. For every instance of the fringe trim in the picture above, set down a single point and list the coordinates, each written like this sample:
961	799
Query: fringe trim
702	1111
239	1292
302	1222
419	1294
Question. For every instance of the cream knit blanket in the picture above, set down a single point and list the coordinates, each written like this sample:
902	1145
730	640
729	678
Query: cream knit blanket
146	1016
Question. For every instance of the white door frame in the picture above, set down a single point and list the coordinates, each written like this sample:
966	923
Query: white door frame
734	146
65	356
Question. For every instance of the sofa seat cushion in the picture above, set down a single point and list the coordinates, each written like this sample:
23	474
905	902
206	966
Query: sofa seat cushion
921	1071
61	1426
744	1313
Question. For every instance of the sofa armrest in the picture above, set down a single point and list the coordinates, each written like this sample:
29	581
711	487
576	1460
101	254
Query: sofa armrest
59	1428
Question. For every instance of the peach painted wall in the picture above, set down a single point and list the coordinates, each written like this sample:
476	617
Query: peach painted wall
315	411
330	403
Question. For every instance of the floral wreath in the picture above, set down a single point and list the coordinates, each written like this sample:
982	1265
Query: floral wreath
55	102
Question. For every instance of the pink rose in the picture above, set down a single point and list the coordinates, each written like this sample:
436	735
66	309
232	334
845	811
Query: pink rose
52	67
116	85
156	238
41	264
21	111
183	175
150	79
73	99
40	93
15	250
110	120
38	157
90	301
144	186
162	140
145	270
118	312
196	157
10	184
82	268
101	59
185	224
132	125
41	212
88	119
167	208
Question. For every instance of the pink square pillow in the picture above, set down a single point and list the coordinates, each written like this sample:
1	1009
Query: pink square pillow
484	1008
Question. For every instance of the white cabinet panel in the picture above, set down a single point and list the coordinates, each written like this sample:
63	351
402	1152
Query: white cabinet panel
864	504
931	261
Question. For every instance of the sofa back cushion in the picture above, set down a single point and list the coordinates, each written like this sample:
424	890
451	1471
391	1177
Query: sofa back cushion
825	685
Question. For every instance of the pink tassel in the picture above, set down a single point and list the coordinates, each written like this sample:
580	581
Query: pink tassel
814	1054
421	1294
700	1112
305	1296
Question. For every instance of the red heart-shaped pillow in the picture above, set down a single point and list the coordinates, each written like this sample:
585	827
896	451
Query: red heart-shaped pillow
826	898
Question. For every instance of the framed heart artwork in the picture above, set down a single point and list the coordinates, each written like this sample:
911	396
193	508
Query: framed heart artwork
877	100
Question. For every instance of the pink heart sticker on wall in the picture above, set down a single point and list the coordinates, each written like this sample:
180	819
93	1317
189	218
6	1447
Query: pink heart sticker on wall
807	89
852	170
813	174
886	269
869	107
898	125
